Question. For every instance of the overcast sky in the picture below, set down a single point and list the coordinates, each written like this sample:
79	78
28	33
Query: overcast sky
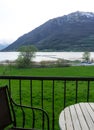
18	17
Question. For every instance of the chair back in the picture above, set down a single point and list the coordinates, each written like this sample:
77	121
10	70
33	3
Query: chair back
5	115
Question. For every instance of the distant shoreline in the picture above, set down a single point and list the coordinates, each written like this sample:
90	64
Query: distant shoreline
44	56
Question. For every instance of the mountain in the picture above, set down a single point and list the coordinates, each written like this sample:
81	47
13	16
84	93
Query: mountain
72	32
3	45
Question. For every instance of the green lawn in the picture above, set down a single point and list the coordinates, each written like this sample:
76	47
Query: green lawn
65	71
58	89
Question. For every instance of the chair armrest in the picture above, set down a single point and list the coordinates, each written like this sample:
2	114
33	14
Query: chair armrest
44	115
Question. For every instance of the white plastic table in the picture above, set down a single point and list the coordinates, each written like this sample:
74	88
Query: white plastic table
77	117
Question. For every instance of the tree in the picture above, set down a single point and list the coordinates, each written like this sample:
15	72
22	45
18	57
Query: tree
86	56
25	56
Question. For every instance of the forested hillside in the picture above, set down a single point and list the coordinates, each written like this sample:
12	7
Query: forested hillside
73	32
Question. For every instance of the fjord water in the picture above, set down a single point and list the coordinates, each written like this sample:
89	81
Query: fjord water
45	56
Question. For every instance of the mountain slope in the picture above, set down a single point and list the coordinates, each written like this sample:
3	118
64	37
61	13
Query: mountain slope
73	32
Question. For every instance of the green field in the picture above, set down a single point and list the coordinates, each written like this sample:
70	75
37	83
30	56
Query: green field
58	89
64	71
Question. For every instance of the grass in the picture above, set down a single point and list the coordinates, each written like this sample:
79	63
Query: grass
59	88
65	71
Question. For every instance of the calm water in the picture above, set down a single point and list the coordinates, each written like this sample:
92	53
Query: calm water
42	56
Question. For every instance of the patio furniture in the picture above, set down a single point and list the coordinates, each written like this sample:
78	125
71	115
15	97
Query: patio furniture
7	112
77	117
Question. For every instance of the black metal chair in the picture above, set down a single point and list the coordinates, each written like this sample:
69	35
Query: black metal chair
7	113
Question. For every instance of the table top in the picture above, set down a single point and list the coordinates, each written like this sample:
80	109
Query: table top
77	117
